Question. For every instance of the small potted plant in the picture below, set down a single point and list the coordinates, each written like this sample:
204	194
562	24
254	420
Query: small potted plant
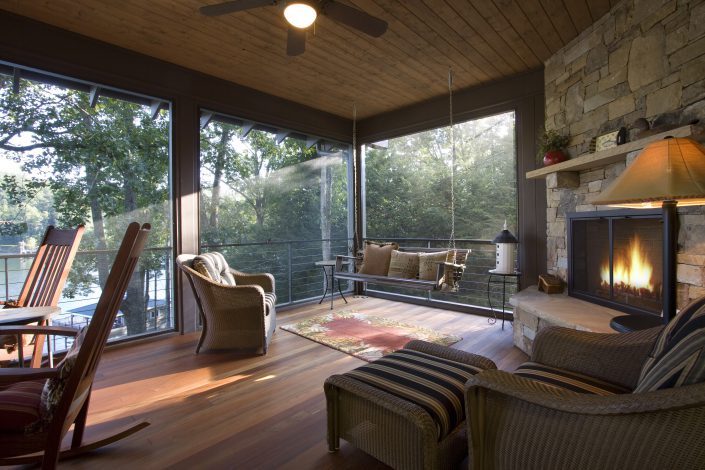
551	146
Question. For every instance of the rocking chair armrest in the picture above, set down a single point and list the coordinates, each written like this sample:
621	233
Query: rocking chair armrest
38	330
14	375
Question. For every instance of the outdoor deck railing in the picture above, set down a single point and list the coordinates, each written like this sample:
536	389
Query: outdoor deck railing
82	290
298	279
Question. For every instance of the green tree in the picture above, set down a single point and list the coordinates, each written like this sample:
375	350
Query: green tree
104	164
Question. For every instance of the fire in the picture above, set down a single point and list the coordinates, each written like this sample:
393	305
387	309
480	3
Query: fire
632	269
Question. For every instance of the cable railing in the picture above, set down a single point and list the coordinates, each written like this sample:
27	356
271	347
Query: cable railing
473	291
291	262
82	291
298	279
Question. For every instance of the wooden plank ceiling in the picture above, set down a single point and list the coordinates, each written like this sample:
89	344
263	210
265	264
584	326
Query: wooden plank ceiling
482	40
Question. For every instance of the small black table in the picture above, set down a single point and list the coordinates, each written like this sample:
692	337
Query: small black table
329	277
503	281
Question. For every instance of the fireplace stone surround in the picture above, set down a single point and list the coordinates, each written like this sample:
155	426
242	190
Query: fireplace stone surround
644	59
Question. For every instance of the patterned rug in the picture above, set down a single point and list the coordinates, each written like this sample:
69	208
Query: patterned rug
363	336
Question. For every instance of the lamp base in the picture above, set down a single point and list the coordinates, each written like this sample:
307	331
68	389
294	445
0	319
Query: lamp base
628	323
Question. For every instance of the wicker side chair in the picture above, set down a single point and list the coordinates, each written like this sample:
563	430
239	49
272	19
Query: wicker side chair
240	316
515	422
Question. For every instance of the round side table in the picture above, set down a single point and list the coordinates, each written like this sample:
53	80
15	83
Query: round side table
328	267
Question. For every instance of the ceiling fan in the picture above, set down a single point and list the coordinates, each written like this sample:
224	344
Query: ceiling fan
300	14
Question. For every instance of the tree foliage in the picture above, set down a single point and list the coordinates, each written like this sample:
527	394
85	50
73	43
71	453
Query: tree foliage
101	166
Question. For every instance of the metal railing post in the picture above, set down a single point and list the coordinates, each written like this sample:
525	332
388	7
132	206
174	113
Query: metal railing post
7	282
291	290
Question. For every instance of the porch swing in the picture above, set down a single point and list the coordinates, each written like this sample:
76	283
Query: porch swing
449	272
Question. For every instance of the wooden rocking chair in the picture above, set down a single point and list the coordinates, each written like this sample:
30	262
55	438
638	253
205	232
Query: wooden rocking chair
23	441
46	278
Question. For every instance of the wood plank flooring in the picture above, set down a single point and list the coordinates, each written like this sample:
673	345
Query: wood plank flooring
218	410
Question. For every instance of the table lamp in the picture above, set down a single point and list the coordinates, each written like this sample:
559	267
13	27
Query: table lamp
666	173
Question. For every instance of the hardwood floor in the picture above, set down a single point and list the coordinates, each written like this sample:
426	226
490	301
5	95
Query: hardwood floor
224	411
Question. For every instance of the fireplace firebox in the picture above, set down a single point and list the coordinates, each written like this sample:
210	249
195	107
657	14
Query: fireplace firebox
616	259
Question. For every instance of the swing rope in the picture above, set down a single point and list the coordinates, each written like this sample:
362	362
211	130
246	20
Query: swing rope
455	271
356	240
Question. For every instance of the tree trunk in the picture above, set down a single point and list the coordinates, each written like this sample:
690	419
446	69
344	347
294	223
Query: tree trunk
133	307
326	209
221	153
102	259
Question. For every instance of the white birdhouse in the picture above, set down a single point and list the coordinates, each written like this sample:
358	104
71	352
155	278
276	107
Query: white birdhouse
506	251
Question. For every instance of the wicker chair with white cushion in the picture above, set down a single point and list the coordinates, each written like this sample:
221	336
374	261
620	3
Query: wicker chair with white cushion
237	309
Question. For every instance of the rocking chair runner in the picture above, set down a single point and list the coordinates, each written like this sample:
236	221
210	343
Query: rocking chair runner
22	445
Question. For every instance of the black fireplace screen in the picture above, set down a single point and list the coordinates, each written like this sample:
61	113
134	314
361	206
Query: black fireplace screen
615	258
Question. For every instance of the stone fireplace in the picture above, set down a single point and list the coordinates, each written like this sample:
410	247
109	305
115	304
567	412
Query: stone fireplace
644	59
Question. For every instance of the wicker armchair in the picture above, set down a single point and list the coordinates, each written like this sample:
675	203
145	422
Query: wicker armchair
518	423
241	316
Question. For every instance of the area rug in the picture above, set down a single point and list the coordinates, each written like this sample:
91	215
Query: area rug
364	336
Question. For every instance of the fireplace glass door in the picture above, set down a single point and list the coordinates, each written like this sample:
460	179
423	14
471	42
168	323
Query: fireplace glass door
617	261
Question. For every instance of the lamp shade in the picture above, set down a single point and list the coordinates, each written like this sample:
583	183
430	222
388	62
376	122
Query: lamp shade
666	170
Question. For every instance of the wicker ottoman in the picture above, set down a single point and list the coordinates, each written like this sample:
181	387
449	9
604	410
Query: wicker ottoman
408	432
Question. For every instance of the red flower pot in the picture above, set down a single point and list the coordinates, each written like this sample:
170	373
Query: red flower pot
553	157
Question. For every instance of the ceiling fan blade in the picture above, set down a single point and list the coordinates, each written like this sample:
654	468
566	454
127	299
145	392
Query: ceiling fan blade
295	42
355	18
233	6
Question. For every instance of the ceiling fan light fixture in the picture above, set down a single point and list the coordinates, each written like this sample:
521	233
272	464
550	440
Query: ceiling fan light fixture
300	14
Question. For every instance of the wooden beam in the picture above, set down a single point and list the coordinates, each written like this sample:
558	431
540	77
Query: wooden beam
95	94
16	81
281	135
156	106
311	141
247	126
206	118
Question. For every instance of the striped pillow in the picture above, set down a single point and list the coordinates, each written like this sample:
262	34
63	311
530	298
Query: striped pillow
568	380
214	267
19	405
678	357
435	384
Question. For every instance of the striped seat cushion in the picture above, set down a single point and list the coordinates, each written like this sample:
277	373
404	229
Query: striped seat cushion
433	383
213	266
20	405
568	380
678	356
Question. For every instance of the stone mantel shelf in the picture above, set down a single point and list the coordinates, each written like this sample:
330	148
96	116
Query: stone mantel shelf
611	155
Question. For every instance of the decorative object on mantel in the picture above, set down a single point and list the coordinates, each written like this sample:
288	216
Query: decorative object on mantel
550	284
551	147
667	172
609	140
506	254
614	154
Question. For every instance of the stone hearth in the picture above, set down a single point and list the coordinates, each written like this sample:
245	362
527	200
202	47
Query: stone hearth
534	311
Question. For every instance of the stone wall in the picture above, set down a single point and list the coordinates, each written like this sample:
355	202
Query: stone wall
644	59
